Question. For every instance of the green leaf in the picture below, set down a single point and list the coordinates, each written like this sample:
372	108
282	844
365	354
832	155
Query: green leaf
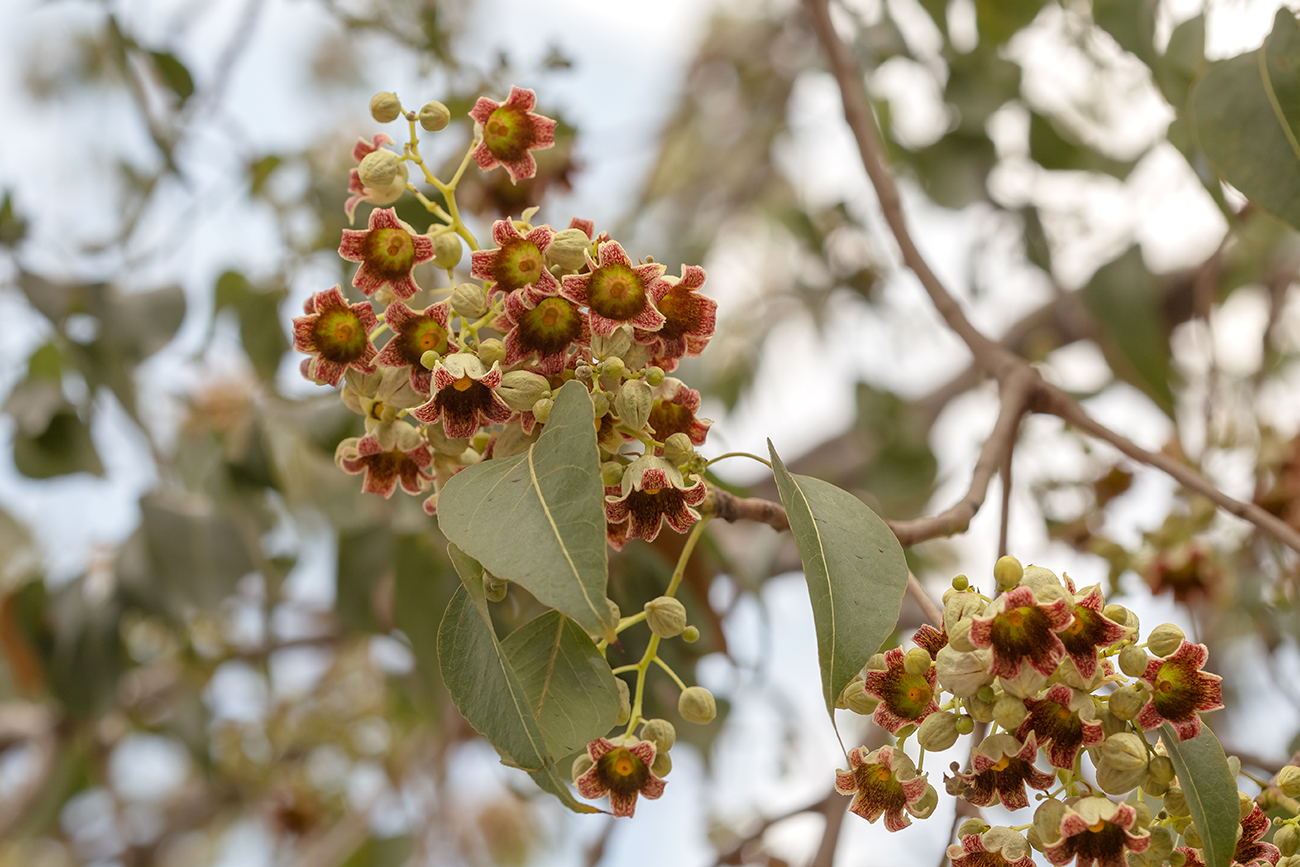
1056	149
422	589
13	228
1132	23
1210	790
64	448
1246	115
174	73
260	171
855	570
538	518
485	686
365	557
999	20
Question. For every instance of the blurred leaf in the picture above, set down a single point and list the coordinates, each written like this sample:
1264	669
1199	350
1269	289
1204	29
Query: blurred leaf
1246	114
365	556
258	311
260	171
1126	301
1058	150
979	83
422	589
19	556
538	518
174	74
953	170
88	657
382	852
35	400
1132	23
1210	790
64	447
901	468
855	570
1182	61
999	20
13	228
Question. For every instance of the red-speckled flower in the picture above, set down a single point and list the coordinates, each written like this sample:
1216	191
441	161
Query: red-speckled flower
689	318
416	332
881	782
996	847
464	396
1179	689
904	698
1251	851
674	411
336	335
653	491
542	325
510	131
381	195
406	458
622	772
1063	721
933	640
616	291
1019	629
1089	631
387	249
518	261
1001	766
1097	831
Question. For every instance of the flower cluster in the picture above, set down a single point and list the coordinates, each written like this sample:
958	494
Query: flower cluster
1058	675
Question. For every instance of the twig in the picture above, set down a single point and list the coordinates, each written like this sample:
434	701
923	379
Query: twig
336	845
32	724
730	508
932	612
736	854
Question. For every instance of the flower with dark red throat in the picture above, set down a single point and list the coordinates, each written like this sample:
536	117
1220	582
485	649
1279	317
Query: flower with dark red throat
622	772
510	132
1179	690
1090	631
387	249
336	335
1250	851
881	782
933	640
616	291
542	325
653	491
1098	831
395	453
905	698
416	332
996	847
464	396
518	261
1063	720
1019	629
673	411
689	317
1001	766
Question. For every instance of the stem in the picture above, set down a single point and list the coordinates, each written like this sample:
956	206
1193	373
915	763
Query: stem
671	673
765	463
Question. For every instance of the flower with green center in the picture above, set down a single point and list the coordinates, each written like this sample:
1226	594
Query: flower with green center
1179	689
388	249
1063	720
1001	766
673	411
385	194
622	772
616	291
881	782
1088	632
1250	851
543	325
996	847
652	491
416	332
510	131
1097	831
464	396
406	460
904	698
689	318
518	260
336	335
1018	629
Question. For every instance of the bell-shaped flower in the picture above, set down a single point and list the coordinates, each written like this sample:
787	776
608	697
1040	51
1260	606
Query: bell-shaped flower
1096	830
464	396
905	698
399	455
1251	850
652	491
388	250
416	332
518	261
1089	632
674	411
883	782
510	131
689	317
541	325
379	397
996	847
933	640
336	335
1001	766
616	291
1061	721
1019	629
622	772
1179	690
381	193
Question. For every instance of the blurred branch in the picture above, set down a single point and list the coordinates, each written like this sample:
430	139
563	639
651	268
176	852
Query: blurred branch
336	845
34	725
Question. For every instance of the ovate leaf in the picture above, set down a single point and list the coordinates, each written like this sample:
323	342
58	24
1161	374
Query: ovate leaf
538	518
1246	114
1210	790
174	73
855	571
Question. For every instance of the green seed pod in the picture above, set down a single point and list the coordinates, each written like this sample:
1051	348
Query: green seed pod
654	375
1125	703
379	168
1287	840
666	616
916	661
624	702
1176	802
1288	781
938	731
678	449
1133	661
494	588
447	250
696	705
660	731
542	410
960	582
385	107
581	765
491	351
965	725
662	765
1125	752
1165	639
434	116
690	635
842	700
1047	820
1161	769
1009	712
634	402
1007	572
521	389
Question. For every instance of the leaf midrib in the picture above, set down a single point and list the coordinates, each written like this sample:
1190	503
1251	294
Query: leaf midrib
1267	81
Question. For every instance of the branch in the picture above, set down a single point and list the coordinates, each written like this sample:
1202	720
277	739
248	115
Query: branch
30	723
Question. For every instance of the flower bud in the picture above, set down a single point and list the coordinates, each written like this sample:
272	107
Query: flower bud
385	107
434	116
1007	572
569	250
542	409
624	702
981	711
916	661
860	703
986	694
1114	781
666	616
611	473
1192	837
469	301
1035	839
1287	840
494	588
963	674
1154	787
600	403
1121	615
662	765
959	606
938	731
1039	580
1125	751
1126	703
1162	843
429	359
612	369
379	168
1288	781
1047	820
1133	661
965	725
634	402
660	731
521	389
1177	859
1144	817
972	826
960	582
581	765
615	345
491	351
1009	712
447	250
924	807
959	635
842	700
1176	802
1161	769
654	375
691	634
877	663
696	705
1165	639
678	449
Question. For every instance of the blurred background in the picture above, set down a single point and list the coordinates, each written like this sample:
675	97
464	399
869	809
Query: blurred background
215	651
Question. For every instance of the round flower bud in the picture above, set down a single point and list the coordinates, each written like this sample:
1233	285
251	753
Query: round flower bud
924	808
447	250
600	403
986	694
521	389
972	826
385	107
469	301
965	725
612	368
1165	639
1288	780
491	351
611	473
1162	843
429	359
1177	859
861	703
1161	769
960	582
1144	817
1114	781
583	373
981	711
654	375
959	635
1009	712
877	663
634	402
938	731
434	116
1245	803
690	634
842	700
660	731
1047	820
963	674
494	588
696	705
1154	787
1133	661
1126	703
1035	840
666	616
916	661
542	409
624	702
1125	751
1176	802
1120	615
1007	572
616	345
569	250
379	168
662	765
1287	839
678	449
581	765
1234	766
1192	837
959	606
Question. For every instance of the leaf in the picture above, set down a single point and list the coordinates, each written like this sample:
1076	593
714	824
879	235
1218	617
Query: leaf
1057	149
855	571
999	20
1132	23
422	588
1246	116
174	73
1210	790
538	518
65	447
365	556
485	686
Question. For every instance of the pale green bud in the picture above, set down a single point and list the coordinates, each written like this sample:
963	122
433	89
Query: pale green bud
1177	859
491	351
963	674
494	588
1161	769
581	765
666	616
429	359
662	732
696	705
1192	837
1288	781
860	703
979	709
1162	843
1144	816
633	404
960	606
612	368
1007	572
469	301
1009	712
624	702
1165	639
614	346
1034	839
521	389
662	765
1114	781
960	582
611	473
1176	802
569	250
542	409
379	168
1040	580
1154	787
1287	840
924	807
1125	751
447	250
654	375
965	725
877	663
972	826
1125	703
1120	615
916	661
434	116
600	403
938	731
1133	661
842	700
959	636
678	449
986	693
691	634
385	107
